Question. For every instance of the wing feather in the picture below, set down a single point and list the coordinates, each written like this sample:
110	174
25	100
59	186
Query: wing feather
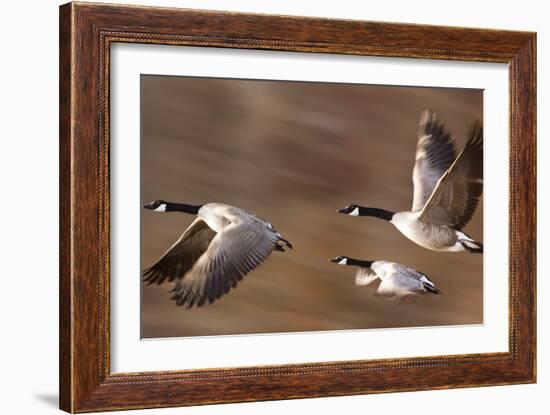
365	276
457	194
181	256
233	253
434	155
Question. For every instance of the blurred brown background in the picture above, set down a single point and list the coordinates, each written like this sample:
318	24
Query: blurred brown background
294	152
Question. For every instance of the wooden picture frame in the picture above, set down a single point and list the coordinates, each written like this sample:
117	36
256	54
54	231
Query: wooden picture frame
86	33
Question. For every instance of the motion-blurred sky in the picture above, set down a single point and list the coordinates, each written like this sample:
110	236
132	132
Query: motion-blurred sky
294	152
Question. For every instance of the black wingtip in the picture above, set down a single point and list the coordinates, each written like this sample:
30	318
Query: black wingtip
476	135
429	120
147	276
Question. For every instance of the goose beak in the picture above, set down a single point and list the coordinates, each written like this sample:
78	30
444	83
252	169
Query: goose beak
335	260
343	210
148	206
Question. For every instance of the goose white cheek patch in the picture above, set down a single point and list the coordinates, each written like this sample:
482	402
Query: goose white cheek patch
161	208
343	261
354	212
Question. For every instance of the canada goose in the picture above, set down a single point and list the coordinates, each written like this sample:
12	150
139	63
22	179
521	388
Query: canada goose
216	251
447	189
397	281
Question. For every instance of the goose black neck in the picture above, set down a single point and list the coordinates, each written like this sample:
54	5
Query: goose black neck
359	263
182	207
377	213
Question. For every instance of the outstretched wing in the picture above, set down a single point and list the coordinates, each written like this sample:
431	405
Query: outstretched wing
181	256
365	276
434	155
457	193
232	254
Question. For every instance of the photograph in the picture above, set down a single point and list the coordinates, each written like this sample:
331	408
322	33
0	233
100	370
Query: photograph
278	206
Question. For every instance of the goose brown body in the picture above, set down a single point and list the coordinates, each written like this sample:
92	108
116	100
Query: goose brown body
222	245
447	189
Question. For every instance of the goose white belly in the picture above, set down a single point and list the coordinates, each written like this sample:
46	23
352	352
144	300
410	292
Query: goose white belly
428	235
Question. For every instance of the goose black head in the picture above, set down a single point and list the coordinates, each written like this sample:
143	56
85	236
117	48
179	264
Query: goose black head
156	206
340	260
352	210
162	206
356	210
344	260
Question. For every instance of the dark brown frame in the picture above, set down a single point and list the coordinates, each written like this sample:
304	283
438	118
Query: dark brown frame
86	33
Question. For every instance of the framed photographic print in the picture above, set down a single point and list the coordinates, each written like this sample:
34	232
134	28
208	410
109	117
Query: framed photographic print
260	207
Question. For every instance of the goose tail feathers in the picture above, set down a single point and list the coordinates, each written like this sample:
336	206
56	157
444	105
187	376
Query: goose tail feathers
431	289
472	247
